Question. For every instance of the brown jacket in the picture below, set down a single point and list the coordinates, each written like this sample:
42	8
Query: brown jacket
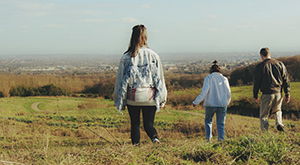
270	76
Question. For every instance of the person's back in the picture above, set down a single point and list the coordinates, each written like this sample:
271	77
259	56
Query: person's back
219	92
270	75
216	94
143	65
140	85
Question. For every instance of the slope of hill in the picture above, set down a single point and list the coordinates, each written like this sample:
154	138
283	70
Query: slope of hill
91	131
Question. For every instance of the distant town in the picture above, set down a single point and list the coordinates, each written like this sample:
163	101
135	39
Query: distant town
89	64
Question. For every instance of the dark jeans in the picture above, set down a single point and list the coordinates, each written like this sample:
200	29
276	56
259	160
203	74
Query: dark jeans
148	121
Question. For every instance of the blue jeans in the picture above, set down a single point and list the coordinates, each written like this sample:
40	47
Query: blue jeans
221	115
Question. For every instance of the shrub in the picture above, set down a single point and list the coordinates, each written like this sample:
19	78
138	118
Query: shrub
292	65
52	90
247	107
181	99
184	82
104	89
244	106
291	110
23	91
47	90
242	76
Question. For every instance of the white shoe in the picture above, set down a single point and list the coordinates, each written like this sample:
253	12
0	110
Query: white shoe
156	141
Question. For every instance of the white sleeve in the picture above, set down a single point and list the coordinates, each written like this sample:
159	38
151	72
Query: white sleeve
228	91
163	96
205	89
118	81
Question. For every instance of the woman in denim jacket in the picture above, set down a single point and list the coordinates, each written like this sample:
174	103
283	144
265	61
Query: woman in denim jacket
140	85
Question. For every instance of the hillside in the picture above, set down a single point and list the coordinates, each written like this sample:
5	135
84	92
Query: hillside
91	131
244	75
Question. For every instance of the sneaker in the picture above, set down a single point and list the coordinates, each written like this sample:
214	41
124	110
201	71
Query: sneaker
156	141
208	142
280	128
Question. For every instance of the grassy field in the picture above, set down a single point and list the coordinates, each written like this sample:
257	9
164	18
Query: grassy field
242	91
92	131
246	91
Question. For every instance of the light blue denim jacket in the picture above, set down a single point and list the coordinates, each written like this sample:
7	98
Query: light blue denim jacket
143	70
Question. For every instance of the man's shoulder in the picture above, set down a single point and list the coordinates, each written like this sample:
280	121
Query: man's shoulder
267	61
259	65
276	62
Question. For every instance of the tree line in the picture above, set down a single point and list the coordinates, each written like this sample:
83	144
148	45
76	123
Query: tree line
103	84
244	75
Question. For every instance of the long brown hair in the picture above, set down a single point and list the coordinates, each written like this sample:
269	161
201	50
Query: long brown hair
138	39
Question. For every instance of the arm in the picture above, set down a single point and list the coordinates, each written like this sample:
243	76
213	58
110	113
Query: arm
257	78
163	96
119	78
228	91
205	89
286	81
286	84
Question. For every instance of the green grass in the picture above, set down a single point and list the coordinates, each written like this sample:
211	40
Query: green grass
62	135
295	90
247	91
242	91
12	106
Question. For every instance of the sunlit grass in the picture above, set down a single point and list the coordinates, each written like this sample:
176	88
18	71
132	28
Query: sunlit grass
71	136
247	91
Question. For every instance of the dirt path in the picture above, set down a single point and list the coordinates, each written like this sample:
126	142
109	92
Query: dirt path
34	106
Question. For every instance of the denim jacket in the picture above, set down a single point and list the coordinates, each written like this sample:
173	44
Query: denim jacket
142	71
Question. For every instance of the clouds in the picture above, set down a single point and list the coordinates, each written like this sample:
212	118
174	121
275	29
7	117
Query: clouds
55	26
97	26
130	20
34	6
93	20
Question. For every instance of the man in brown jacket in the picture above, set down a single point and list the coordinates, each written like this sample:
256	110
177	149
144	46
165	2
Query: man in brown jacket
270	77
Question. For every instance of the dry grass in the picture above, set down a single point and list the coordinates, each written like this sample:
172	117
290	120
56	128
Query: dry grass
73	84
183	144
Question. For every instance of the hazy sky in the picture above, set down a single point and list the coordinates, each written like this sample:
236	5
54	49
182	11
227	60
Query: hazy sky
104	26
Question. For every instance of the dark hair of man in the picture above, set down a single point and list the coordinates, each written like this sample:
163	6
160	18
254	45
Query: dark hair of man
215	67
138	39
264	51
